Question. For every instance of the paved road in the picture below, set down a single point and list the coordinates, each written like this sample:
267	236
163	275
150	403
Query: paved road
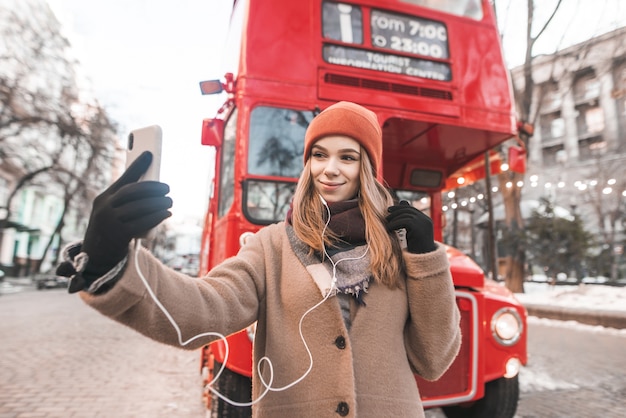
59	358
573	372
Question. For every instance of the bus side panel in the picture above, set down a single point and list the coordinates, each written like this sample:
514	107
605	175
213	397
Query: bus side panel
270	60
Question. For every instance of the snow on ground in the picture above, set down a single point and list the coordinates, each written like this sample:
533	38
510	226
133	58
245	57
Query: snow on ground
577	326
583	296
532	380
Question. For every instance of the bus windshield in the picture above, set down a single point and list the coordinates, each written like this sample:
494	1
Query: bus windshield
277	141
275	150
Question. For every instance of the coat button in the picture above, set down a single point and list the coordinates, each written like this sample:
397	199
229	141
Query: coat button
343	409
340	342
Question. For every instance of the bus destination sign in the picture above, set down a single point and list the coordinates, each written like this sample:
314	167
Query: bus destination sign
409	34
359	58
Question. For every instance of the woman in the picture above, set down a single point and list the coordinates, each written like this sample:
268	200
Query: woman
345	316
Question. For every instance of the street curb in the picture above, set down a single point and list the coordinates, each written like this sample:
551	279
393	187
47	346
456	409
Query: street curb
610	319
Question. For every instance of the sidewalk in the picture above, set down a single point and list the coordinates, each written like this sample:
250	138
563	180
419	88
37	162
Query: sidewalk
7	287
10	285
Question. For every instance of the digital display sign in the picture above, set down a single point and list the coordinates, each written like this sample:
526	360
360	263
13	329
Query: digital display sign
409	34
400	44
377	61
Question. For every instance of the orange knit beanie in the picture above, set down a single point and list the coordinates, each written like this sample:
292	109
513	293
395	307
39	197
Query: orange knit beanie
349	119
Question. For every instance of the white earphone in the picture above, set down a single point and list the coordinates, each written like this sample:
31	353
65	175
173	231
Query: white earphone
267	385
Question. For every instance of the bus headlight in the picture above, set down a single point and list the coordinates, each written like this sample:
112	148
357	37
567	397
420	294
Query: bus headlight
506	326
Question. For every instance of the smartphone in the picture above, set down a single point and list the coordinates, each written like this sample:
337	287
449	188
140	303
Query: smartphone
146	139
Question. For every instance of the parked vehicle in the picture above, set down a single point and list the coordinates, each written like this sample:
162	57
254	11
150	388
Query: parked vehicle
50	281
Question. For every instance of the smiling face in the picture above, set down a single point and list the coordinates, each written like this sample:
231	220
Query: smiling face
335	167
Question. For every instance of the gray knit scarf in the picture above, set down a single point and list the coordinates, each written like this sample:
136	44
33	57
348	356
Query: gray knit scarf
350	256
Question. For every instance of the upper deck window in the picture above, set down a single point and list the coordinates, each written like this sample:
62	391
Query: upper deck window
467	8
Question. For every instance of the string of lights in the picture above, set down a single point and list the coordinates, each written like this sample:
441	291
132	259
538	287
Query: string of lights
609	187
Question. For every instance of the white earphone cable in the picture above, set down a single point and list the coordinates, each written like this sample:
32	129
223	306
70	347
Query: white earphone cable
267	385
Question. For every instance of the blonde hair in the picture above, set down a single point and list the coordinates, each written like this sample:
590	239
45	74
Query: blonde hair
374	199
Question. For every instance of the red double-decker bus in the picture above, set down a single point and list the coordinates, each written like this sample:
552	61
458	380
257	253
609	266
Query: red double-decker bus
434	73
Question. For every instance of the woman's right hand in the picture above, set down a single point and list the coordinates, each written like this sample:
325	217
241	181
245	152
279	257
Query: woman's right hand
128	209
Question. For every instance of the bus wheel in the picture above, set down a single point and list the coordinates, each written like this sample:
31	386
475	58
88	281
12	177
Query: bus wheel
500	400
232	386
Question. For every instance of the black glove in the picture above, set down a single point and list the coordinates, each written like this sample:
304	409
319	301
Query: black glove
127	209
419	227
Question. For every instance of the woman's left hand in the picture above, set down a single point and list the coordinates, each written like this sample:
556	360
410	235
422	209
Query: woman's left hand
418	226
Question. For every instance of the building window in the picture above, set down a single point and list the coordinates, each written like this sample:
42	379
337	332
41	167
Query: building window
552	126
4	190
586	87
551	97
619	94
590	119
590	148
552	154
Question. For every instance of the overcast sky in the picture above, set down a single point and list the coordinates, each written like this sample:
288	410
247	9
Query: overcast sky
575	22
144	60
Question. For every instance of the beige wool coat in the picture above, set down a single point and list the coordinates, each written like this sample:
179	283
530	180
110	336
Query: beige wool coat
398	332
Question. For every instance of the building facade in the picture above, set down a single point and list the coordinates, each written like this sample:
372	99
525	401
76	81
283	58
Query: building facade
50	134
576	156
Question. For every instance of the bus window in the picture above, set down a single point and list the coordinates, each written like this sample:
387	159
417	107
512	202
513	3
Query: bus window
227	174
275	150
468	8
277	141
267	201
